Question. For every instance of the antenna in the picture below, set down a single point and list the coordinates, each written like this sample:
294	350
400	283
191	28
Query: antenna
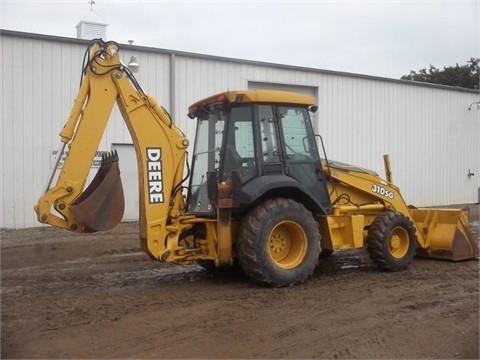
91	2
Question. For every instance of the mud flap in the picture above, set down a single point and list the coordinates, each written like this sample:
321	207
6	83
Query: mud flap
446	234
101	205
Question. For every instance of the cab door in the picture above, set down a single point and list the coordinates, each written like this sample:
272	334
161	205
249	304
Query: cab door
299	152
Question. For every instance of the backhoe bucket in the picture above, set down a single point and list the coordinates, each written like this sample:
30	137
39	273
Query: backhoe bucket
101	205
446	234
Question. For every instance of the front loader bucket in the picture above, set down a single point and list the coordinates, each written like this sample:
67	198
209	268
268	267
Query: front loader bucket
445	233
101	205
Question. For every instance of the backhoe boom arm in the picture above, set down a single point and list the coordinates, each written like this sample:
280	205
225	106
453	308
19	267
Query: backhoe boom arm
160	148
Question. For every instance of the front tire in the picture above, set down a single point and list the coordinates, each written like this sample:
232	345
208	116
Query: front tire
278	243
391	241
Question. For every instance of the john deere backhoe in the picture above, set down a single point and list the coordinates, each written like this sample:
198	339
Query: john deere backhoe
258	190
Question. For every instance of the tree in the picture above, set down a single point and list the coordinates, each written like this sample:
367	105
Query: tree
465	76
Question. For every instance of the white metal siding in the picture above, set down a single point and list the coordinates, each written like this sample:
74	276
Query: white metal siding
430	135
197	79
432	138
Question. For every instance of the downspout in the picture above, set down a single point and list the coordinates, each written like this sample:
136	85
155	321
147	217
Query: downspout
173	100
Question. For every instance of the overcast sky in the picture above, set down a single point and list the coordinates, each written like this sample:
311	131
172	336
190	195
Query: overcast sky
382	38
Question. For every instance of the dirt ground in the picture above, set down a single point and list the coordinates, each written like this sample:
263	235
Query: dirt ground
99	296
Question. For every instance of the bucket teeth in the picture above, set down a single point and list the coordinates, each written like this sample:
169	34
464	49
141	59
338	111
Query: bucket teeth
109	157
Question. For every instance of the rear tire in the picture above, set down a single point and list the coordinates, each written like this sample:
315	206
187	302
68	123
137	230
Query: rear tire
391	241
278	243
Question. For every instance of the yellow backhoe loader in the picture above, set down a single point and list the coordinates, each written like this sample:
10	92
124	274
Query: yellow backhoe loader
258	193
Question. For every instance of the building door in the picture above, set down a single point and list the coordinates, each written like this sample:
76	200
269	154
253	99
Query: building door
129	175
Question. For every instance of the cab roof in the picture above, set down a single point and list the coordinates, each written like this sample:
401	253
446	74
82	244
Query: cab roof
251	96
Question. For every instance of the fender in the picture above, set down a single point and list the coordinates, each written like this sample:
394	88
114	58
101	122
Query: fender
281	185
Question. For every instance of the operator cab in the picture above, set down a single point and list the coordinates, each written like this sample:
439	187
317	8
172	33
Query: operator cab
267	137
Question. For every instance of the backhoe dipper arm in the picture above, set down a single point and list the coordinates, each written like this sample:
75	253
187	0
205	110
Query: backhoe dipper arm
160	148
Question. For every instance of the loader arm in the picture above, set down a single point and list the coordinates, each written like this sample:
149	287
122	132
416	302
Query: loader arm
159	145
367	192
440	233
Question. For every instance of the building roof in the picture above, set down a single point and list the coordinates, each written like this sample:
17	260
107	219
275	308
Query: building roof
241	61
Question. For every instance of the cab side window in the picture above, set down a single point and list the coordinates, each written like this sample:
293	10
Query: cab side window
294	123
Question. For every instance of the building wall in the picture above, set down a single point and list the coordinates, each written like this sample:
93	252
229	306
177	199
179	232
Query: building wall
428	131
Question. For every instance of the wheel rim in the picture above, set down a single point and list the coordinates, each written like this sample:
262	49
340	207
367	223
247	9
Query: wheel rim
399	242
287	244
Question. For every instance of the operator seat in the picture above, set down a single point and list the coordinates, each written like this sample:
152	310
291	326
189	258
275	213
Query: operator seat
233	160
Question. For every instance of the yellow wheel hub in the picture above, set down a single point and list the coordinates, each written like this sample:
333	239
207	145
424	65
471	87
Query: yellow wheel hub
399	242
287	244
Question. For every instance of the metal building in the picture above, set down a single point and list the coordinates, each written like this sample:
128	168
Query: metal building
430	133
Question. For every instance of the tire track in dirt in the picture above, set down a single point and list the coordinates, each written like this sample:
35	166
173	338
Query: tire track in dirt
99	296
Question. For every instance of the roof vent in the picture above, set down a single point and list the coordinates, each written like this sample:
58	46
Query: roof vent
92	26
